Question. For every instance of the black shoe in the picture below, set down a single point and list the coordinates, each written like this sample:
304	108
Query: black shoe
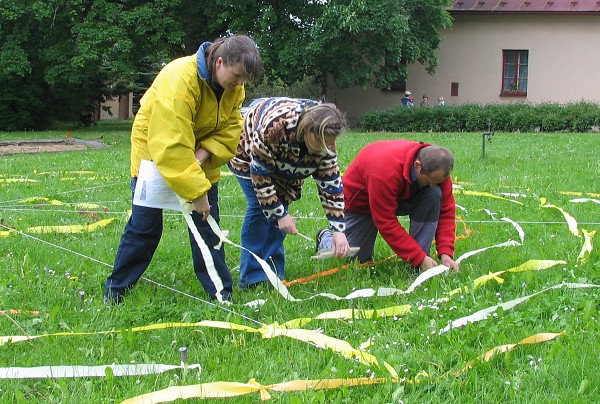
252	286
319	237
113	300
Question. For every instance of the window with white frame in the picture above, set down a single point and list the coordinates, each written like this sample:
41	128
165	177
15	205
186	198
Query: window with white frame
514	72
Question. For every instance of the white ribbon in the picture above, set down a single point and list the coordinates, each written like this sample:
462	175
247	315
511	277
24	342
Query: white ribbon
56	372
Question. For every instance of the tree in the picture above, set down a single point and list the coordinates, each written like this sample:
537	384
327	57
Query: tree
61	58
360	42
357	42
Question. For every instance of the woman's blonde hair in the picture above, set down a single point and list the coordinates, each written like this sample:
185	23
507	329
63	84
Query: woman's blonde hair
321	120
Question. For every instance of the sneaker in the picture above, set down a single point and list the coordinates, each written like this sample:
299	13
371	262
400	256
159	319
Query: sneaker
320	234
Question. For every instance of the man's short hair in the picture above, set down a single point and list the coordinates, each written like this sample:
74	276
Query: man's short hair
435	158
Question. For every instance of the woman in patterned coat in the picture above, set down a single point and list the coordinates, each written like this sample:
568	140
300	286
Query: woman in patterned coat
284	141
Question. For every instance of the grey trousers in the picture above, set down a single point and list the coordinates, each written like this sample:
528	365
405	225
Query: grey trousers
423	210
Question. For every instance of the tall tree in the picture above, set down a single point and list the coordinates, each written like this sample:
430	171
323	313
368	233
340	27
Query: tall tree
360	42
357	42
60	58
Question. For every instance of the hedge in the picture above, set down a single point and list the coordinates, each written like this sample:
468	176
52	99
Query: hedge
515	117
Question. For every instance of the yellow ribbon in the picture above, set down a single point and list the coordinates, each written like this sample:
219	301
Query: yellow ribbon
570	219
488	195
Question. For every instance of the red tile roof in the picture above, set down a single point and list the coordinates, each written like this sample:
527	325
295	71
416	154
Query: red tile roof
524	6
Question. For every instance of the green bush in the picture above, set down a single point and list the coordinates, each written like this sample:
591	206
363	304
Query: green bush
308	87
515	117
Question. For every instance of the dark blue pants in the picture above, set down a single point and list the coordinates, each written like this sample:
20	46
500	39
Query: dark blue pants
261	236
139	242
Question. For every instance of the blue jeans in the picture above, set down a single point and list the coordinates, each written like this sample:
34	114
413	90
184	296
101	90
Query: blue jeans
261	236
139	242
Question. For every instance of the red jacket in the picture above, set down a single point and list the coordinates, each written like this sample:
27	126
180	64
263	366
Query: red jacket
377	179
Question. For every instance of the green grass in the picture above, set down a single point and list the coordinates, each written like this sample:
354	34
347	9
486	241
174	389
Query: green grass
45	272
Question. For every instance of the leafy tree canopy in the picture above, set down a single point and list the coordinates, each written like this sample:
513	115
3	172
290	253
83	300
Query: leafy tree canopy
59	58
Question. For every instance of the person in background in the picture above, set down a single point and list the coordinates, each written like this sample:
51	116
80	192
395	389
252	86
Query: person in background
188	124
408	100
425	102
441	101
285	140
394	178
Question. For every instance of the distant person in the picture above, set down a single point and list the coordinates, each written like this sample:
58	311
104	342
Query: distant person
408	100
441	101
425	102
394	178
189	125
285	140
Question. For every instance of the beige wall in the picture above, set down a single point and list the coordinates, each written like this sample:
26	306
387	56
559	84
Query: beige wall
564	63
120	107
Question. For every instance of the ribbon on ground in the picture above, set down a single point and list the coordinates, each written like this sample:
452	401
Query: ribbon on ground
55	202
352	314
320	340
466	229
19	338
581	200
40	198
334	270
486	357
593	195
362	293
63	229
233	389
586	250
488	195
516	225
531	265
60	372
14	312
267	331
11	180
570	219
484	314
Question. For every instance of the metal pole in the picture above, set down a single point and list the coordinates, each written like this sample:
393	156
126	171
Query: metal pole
483	145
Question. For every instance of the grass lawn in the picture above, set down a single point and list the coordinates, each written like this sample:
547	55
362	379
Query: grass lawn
52	282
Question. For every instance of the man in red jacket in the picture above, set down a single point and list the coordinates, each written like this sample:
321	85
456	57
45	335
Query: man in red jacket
394	178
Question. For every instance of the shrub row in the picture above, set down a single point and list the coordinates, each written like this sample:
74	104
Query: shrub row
516	117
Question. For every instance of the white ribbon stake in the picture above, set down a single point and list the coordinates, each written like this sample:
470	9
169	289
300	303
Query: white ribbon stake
60	372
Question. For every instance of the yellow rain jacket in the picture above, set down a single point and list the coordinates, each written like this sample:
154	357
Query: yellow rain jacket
180	114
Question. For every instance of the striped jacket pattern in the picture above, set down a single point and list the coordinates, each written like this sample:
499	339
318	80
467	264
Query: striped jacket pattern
277	163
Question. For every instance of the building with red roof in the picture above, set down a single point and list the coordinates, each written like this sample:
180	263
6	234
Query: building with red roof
501	51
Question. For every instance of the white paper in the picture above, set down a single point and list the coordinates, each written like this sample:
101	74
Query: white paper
152	191
324	254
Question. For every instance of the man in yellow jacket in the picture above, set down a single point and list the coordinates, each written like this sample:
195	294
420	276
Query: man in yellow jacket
189	125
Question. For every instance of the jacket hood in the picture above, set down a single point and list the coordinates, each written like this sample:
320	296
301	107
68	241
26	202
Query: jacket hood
201	61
